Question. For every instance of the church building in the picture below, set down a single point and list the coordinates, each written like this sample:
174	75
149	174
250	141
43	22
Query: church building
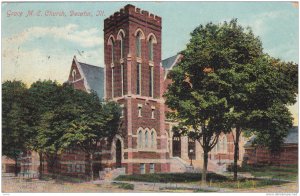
135	76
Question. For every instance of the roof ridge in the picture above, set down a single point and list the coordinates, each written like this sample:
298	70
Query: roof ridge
90	64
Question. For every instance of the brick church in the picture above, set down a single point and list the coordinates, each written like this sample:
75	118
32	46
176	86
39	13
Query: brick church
135	76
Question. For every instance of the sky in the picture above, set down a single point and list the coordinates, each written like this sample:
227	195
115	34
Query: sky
42	46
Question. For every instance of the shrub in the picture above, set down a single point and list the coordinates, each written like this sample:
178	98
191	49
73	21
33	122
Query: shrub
126	186
170	177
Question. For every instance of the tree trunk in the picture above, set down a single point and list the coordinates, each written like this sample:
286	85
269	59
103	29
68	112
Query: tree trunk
204	171
56	170
91	167
16	167
41	166
236	152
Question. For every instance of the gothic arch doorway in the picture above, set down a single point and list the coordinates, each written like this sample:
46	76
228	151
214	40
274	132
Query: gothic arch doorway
118	154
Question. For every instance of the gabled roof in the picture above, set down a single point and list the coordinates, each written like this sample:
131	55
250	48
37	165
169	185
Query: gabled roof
94	77
249	142
291	138
168	62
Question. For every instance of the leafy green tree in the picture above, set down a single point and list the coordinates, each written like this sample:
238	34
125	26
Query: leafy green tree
252	84
197	96
257	89
43	98
197	88
271	128
86	121
14	120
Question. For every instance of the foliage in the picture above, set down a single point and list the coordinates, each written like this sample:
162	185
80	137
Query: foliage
199	94
225	81
14	119
49	118
204	190
275	127
285	172
170	177
126	186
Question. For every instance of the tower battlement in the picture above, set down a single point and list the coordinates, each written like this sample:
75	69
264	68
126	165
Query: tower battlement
131	10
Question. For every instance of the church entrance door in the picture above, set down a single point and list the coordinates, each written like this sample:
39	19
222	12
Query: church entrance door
118	154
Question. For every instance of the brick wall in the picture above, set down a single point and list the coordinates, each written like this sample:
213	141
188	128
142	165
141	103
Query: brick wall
261	155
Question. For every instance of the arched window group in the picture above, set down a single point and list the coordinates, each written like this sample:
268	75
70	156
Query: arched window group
151	40
139	36
221	146
120	42
146	139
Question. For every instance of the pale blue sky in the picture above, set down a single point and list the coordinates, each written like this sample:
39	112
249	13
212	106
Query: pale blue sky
42	47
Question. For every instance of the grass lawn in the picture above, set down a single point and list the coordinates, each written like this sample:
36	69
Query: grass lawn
287	172
246	183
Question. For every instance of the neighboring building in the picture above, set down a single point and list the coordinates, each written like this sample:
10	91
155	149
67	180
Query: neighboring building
30	162
261	155
8	165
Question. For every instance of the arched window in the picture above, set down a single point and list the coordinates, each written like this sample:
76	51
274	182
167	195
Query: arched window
138	44
138	78
151	82
112	81
122	44
152	139
225	144
218	145
140	139
146	139
112	50
122	79
150	48
74	75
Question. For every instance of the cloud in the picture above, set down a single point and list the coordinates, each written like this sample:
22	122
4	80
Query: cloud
30	64
71	32
92	57
260	23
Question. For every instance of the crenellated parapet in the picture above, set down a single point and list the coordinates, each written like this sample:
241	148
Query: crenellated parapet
132	11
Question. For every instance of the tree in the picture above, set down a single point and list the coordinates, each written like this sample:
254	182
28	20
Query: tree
43	98
257	90
197	96
272	128
86	121
14	120
253	85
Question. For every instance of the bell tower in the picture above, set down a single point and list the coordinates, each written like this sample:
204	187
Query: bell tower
133	75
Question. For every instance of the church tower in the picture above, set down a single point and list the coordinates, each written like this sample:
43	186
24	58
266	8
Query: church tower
133	78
